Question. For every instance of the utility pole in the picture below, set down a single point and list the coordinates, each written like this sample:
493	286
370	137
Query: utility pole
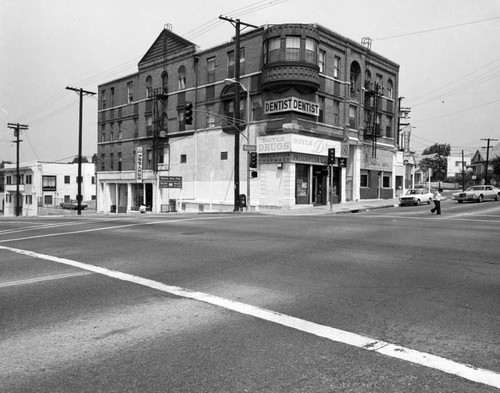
463	171
237	24
17	128
487	158
81	92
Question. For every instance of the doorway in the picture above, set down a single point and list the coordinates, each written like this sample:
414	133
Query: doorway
320	179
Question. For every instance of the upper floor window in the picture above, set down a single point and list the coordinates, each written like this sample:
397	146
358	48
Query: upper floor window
48	183
390	89
378	80
211	70
368	78
311	51
322	61
130	92
149	85
164	82
182	77
292	52
67	179
336	67
210	116
112	90
231	61
103	99
272	50
120	132
28	179
8	179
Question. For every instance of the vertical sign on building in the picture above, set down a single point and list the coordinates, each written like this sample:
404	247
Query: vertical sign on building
138	165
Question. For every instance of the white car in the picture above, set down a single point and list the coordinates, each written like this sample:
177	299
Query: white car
416	197
477	194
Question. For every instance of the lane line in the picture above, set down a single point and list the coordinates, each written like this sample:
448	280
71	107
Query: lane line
430	217
41	279
122	226
466	371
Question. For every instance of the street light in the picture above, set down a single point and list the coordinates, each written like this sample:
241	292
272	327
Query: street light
246	89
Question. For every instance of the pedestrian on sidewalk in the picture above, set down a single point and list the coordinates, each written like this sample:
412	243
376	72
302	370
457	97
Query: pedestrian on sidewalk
437	201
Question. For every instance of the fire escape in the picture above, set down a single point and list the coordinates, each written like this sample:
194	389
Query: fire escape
372	103
159	102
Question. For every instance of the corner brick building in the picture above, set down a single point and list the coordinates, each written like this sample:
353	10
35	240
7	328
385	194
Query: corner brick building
310	90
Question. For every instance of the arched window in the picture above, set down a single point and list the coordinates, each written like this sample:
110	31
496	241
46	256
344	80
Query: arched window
164	82
182	77
149	85
355	79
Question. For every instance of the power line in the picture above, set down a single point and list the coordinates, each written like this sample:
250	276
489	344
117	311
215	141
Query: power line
460	111
436	29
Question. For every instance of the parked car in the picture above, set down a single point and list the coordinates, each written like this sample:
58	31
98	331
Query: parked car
416	196
477	194
73	205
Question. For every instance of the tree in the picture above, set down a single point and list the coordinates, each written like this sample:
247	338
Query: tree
84	160
436	160
443	149
495	164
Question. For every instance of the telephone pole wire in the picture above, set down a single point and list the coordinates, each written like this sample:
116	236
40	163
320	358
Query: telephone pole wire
17	128
81	92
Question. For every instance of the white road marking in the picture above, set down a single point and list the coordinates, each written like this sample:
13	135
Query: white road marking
466	371
41	279
122	226
451	217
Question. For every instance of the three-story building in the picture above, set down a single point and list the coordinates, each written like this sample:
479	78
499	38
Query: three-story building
303	90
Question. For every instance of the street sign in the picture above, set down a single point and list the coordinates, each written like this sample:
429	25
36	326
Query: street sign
249	148
170	181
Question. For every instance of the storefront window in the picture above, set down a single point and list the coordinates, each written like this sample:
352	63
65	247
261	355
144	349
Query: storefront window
301	184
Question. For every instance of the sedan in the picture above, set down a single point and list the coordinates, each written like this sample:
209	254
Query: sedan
477	194
415	197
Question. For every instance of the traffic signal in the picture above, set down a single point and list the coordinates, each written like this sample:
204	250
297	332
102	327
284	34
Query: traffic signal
331	156
188	113
253	160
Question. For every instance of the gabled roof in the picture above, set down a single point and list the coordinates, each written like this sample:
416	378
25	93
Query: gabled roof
165	45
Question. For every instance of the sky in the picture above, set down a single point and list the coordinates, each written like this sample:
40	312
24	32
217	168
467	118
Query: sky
447	51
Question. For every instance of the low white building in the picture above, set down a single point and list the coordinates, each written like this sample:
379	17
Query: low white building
44	185
455	165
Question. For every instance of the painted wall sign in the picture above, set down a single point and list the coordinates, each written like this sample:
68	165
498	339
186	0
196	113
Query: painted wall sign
296	143
138	165
291	104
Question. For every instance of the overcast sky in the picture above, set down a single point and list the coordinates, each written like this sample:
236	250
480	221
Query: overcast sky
448	52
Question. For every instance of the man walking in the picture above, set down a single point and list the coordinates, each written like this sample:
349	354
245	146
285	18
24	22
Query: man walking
437	201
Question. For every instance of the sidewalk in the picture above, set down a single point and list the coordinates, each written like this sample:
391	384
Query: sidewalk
346	207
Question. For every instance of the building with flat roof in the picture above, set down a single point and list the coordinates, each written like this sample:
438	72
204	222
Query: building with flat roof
303	89
43	186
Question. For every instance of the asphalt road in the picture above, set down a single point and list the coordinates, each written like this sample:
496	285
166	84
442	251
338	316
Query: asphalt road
391	300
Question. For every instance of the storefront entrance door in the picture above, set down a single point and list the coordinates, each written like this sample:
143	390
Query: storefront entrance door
320	178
